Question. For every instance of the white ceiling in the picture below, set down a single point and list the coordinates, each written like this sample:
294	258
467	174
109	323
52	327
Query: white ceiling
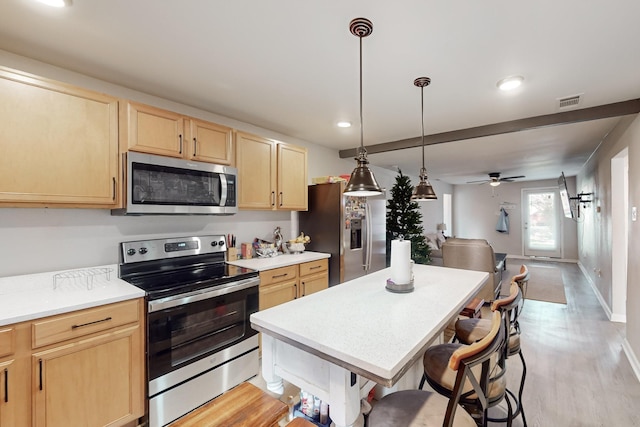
292	66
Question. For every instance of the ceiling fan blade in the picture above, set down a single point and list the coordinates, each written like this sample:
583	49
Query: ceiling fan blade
511	177
482	181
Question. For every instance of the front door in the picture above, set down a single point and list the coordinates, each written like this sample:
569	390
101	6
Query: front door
541	222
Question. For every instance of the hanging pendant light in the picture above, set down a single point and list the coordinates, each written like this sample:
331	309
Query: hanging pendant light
362	182
424	190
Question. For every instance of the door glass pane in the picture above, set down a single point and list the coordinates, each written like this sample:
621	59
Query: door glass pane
543	224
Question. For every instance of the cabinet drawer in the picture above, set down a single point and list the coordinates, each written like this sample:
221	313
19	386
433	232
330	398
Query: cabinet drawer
313	267
7	341
276	275
73	325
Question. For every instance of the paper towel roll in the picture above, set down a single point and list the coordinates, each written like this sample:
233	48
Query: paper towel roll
401	261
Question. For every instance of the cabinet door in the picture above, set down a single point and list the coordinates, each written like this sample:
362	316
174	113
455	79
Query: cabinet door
59	144
8	382
312	284
256	163
278	293
210	142
91	382
154	131
292	177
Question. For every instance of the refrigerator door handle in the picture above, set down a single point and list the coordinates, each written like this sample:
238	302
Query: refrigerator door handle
368	238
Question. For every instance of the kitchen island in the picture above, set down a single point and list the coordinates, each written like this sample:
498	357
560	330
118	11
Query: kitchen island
340	342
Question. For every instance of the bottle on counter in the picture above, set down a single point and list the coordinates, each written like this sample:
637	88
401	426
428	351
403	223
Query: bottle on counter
316	408
324	413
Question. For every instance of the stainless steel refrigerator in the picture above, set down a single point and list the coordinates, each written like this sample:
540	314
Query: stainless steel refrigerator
351	229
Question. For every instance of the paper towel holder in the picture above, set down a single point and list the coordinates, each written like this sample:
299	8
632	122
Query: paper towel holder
399	288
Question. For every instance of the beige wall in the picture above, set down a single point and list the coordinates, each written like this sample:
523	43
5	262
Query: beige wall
595	230
476	209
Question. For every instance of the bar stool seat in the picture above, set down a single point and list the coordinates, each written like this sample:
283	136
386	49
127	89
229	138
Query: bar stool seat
471	366
468	331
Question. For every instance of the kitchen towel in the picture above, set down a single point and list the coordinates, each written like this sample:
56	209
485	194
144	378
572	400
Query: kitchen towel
401	261
503	222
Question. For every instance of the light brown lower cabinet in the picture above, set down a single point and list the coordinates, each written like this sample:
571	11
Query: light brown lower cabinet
92	376
313	277
280	285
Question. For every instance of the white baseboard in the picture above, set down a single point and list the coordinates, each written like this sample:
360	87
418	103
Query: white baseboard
601	300
633	360
628	351
533	258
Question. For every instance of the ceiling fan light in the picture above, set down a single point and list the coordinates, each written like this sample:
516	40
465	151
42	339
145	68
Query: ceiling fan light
494	183
509	83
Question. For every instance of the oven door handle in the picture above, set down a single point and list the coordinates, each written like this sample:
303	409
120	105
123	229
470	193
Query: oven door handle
202	294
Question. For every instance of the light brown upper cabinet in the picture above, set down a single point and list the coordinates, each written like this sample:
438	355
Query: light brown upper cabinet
271	175
58	144
156	131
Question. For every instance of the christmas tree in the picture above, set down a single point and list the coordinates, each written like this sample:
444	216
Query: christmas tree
405	219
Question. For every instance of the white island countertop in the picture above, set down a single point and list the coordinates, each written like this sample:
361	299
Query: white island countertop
33	296
364	328
284	260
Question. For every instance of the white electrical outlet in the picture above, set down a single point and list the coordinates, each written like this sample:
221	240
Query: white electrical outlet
634	213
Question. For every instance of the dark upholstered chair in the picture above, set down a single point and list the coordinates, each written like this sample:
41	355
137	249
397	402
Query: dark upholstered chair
469	367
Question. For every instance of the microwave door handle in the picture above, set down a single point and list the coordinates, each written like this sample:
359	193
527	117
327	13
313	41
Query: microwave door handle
223	189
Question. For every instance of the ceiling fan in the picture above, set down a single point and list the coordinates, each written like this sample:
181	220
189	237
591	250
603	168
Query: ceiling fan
495	180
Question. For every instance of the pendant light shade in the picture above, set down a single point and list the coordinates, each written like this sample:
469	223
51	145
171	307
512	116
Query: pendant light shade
423	191
362	182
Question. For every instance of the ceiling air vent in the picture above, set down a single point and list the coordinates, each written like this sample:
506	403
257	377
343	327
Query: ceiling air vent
568	102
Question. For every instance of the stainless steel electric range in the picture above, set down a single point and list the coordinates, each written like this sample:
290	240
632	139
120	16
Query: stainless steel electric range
199	339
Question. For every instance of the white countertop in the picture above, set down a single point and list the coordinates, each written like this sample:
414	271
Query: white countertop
284	260
365	328
33	296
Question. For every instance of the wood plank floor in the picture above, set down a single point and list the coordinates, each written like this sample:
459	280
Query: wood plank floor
577	372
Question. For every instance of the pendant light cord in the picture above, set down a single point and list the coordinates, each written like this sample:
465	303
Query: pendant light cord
362	150
422	117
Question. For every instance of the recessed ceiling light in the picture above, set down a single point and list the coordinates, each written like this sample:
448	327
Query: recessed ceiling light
55	3
344	124
511	82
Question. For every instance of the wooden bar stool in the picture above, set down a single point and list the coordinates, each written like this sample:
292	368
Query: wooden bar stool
243	406
471	366
468	331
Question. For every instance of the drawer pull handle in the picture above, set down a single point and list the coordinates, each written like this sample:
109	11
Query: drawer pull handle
180	138
106	319
6	385
195	147
295	291
40	369
280	275
114	188
315	268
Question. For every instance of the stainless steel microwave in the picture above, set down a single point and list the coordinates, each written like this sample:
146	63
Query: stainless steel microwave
158	185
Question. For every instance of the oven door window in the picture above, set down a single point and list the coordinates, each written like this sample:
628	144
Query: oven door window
163	185
183	334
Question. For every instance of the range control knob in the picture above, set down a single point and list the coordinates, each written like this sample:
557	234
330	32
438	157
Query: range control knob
131	252
221	243
214	243
142	251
